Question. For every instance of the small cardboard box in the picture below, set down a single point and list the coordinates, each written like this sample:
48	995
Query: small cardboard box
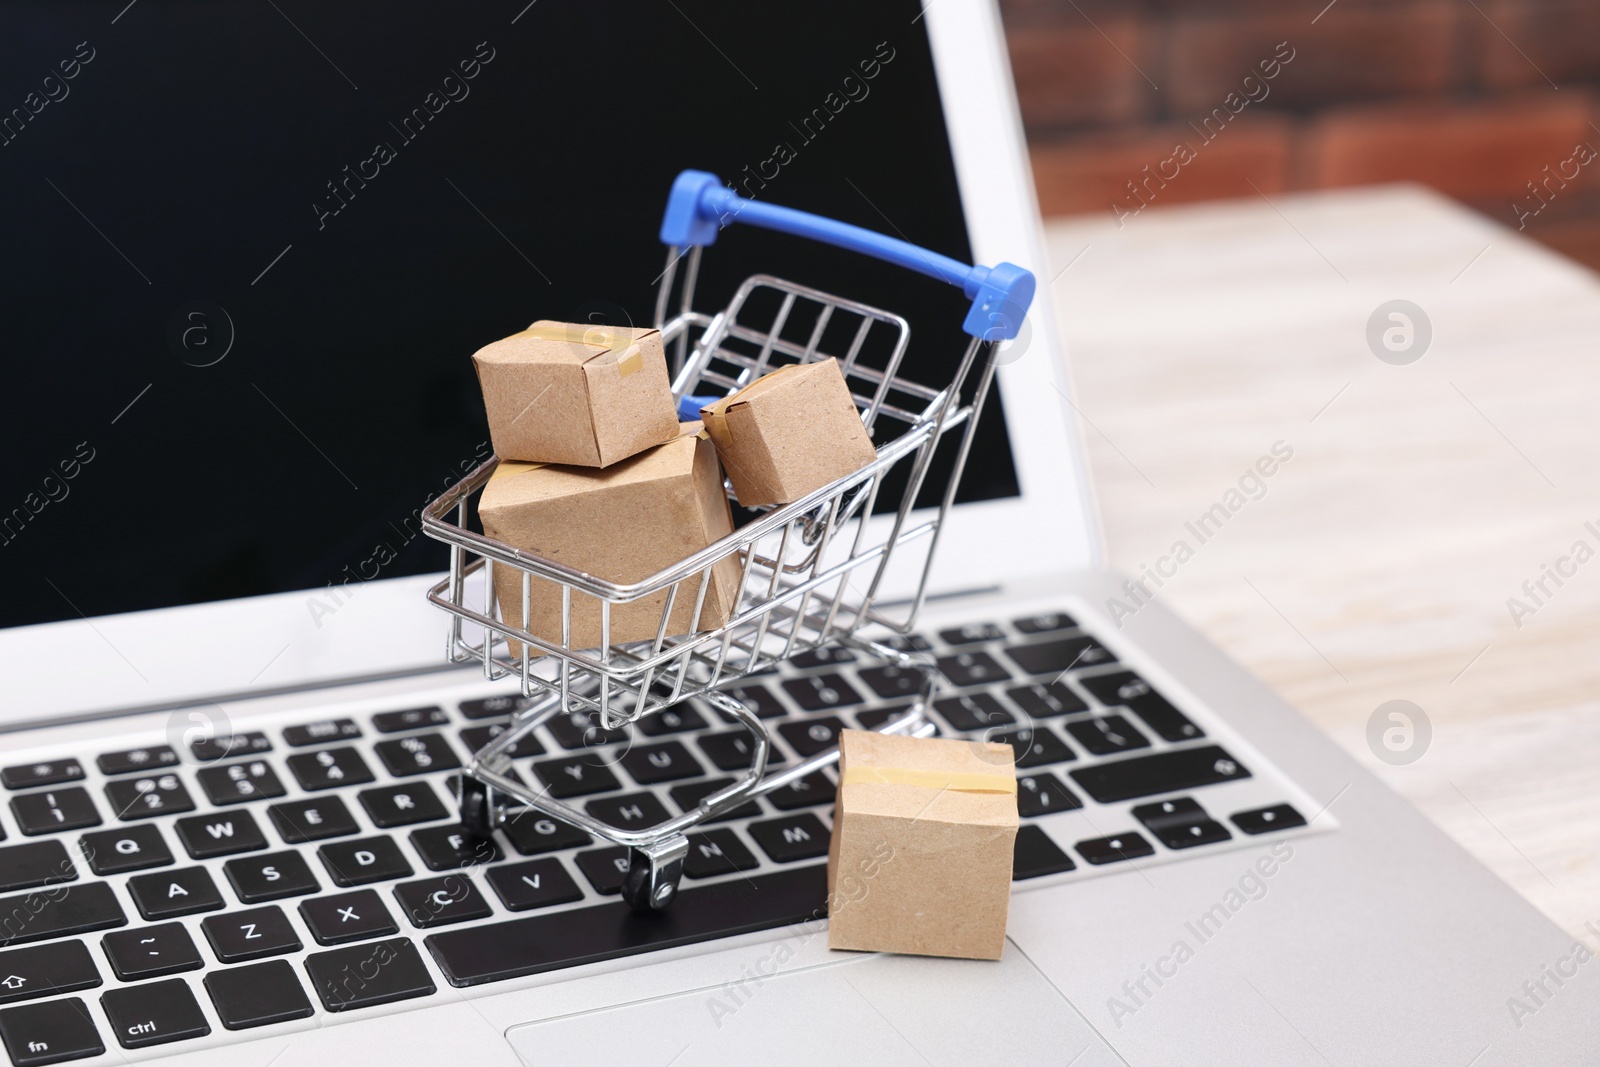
622	524
583	395
788	433
923	832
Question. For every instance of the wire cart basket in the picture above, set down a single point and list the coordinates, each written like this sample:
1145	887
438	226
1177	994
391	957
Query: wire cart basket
809	573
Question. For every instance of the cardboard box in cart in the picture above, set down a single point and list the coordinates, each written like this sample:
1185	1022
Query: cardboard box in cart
622	523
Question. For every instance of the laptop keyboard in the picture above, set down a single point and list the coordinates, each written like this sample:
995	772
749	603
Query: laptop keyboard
244	883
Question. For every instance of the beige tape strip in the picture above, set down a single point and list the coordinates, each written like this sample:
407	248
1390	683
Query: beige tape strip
629	361
956	781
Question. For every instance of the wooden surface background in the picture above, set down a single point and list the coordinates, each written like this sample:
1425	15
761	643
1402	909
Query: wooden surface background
1378	563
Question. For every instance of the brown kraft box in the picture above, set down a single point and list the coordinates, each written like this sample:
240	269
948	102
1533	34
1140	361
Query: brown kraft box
920	860
788	433
622	524
584	395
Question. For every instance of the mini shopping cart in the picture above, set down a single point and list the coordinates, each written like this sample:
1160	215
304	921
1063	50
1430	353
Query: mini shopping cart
810	572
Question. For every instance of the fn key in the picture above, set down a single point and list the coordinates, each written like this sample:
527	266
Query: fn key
51	1032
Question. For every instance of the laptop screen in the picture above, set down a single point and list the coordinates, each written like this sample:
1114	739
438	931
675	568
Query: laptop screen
250	249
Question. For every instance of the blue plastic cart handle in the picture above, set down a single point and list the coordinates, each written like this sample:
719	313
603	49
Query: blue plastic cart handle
700	205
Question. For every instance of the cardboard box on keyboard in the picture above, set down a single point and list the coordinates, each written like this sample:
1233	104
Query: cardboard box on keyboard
923	833
566	393
622	523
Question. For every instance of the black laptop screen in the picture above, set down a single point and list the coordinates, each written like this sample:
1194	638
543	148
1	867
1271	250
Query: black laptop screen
249	249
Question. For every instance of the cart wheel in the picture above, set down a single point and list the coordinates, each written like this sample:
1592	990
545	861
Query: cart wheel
475	806
653	873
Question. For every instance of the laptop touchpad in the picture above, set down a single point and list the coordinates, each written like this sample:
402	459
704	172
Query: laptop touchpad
883	1010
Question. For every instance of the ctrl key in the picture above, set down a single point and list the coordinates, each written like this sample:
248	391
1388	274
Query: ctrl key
154	1013
52	1032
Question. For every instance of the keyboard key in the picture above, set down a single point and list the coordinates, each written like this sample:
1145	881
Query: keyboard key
251	934
329	768
270	877
971	634
58	809
347	917
494	707
52	1032
1131	691
605	868
230	746
320	732
154	1014
534	884
135	760
35	863
392	722
575	776
809	738
1163	772
341	976
532	944
678	719
873	718
127	848
665	761
1059	656
402	805
714	852
441	901
172	893
581	730
758	698
973	711
259	995
151	951
630	811
793	837
50	772
972	668
891	682
826	656
1035	746
475	737
417	754
533	834
819	692
805	792
1043	794
219	834
45	970
364	860
1035	855
906	642
1180	823
145	798
1040	624
68	909
1115	849
449	848
731	751
1106	735
300	821
1265	820
1044	700
237	783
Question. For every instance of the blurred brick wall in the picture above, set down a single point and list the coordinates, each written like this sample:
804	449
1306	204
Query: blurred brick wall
1476	98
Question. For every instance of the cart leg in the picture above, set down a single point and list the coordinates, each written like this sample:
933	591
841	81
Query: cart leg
476	815
653	873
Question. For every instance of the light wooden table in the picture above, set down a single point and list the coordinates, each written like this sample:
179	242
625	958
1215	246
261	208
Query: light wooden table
1420	497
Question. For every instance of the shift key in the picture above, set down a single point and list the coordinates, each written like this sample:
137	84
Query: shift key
44	970
56	910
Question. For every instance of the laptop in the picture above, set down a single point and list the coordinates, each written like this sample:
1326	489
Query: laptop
250	249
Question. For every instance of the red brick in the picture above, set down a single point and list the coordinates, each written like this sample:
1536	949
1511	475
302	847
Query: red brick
1071	74
1474	152
1557	40
1352	53
1090	173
